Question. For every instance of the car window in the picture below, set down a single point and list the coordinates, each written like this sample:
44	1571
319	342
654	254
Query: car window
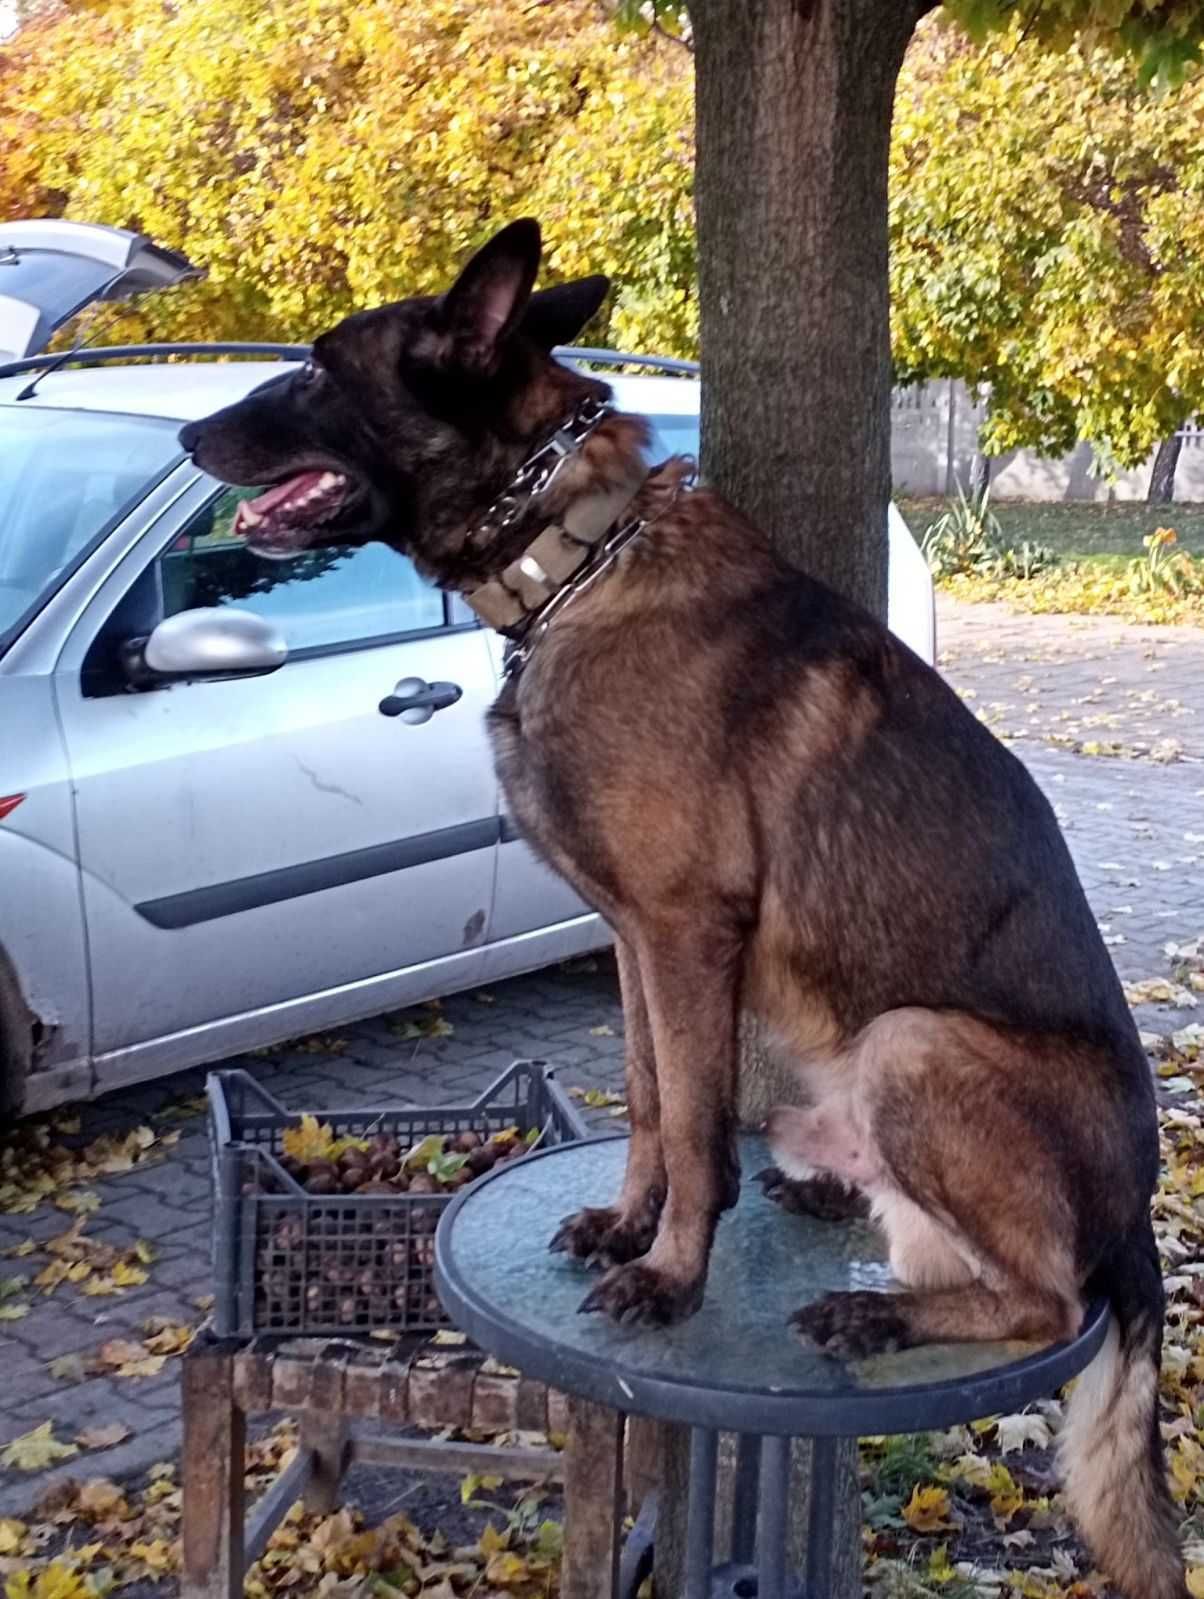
320	599
673	435
64	476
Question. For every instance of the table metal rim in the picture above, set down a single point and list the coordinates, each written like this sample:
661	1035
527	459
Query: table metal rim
785	1412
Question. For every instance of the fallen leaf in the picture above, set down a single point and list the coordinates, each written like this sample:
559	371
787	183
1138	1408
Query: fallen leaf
36	1450
99	1496
118	1351
470	1487
158	1555
507	1568
125	1276
1006	1494
68	1368
309	1140
927	1510
1013	1432
103	1437
12	1534
168	1337
147	1366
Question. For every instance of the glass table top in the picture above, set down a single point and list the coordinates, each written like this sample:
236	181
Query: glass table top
735	1363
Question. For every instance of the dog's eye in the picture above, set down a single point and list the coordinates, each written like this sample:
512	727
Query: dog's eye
309	373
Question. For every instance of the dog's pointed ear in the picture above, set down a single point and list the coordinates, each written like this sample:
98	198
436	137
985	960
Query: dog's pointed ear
486	302
556	316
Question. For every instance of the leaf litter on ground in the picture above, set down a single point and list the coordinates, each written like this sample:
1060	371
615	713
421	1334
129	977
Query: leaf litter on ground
88	1537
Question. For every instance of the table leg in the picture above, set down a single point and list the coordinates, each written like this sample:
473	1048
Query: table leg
771	1534
744	1498
821	1519
593	1497
326	1436
213	1466
700	1516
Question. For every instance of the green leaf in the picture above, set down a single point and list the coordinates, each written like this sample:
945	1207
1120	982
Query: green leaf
444	1167
423	1153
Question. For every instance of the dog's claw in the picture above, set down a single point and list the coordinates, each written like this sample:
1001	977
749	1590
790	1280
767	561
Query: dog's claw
852	1326
825	1198
637	1293
602	1238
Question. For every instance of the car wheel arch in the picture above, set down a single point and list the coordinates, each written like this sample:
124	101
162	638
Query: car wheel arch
23	1037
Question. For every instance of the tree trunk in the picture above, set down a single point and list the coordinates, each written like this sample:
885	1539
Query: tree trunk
1162	474
793	112
793	109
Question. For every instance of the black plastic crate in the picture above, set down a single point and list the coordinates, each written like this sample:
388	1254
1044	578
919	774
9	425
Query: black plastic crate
292	1262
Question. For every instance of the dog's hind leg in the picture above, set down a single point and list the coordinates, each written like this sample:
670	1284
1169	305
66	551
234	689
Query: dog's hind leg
690	971
952	1111
1006	1181
824	1160
611	1235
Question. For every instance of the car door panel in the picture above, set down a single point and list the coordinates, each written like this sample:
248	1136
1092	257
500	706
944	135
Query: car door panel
247	842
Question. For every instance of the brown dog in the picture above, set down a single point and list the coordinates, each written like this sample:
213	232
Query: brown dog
778	807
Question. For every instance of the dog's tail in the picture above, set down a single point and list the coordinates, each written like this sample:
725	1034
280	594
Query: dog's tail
1111	1448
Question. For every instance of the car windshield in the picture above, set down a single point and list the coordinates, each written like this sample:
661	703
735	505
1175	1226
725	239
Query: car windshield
64	477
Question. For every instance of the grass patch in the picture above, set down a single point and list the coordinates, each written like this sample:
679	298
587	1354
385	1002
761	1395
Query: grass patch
1074	530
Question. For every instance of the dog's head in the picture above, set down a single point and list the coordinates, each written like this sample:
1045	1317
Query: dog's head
407	419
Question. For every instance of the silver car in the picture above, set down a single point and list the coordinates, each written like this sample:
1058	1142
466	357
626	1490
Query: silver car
211	838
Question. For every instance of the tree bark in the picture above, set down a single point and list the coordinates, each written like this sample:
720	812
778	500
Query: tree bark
793	106
793	109
1162	473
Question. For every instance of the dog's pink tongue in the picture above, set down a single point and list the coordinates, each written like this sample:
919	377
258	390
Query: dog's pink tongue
292	488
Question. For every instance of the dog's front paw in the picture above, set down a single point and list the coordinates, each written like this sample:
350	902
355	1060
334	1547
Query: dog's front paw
827	1198
581	1234
606	1237
853	1326
639	1293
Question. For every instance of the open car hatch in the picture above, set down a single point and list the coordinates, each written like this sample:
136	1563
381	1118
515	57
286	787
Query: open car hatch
50	270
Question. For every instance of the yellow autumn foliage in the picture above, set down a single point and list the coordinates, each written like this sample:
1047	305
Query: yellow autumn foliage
319	155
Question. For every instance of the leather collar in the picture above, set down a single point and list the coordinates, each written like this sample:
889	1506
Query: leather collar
563	546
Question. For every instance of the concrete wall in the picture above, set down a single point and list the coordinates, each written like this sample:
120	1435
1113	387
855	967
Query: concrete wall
934	429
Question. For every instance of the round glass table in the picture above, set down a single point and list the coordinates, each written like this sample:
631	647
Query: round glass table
732	1367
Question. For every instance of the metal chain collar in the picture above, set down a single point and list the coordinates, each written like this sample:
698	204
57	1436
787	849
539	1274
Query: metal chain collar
538	472
518	651
602	557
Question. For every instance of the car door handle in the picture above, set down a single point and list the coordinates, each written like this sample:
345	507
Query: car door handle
416	701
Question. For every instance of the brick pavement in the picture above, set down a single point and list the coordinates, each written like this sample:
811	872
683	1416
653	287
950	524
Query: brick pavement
1134	823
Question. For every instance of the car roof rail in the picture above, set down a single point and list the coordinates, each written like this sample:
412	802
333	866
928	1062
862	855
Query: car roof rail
659	363
98	354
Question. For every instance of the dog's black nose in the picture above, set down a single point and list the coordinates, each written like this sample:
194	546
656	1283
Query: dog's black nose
190	436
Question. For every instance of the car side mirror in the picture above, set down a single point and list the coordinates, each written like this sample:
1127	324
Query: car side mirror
209	642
